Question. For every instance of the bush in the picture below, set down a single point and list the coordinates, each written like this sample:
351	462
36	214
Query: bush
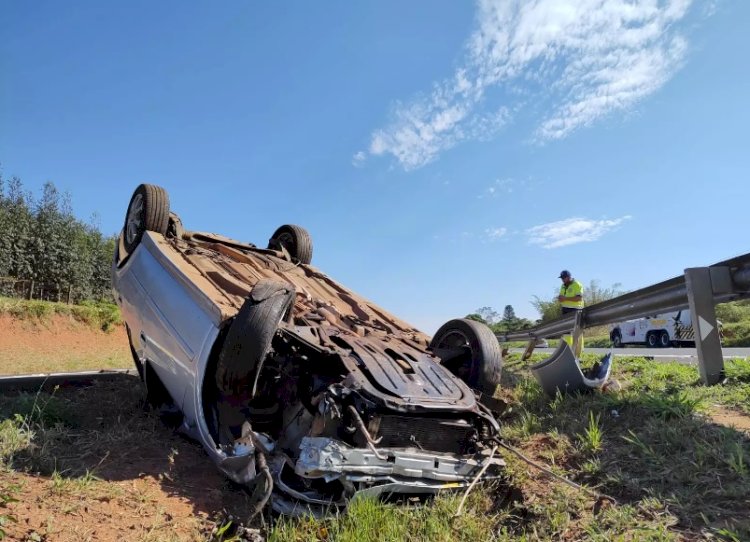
735	311
600	341
736	334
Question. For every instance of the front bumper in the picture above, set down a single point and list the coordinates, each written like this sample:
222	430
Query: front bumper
361	472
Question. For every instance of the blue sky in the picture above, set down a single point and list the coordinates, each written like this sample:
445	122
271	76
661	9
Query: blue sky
444	155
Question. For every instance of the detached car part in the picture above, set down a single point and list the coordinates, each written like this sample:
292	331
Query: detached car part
562	373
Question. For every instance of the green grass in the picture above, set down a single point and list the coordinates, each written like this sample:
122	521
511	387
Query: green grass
735	334
734	311
598	341
100	315
368	520
593	435
15	435
652	445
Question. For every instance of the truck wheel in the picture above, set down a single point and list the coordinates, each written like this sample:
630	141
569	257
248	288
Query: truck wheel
616	339
664	341
476	358
296	240
148	210
652	340
250	334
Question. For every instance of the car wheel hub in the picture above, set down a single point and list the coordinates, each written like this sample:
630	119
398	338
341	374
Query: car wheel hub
135	219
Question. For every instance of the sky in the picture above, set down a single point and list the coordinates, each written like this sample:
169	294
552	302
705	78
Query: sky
444	155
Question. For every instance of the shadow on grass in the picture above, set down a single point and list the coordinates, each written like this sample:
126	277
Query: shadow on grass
653	439
103	432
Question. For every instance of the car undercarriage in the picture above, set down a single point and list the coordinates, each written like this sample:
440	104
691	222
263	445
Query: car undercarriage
297	387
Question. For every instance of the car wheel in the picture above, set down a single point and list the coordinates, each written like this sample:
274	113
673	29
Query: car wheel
471	351
249	337
652	340
616	338
664	341
148	210
296	240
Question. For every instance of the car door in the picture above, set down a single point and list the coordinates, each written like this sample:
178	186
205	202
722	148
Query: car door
171	326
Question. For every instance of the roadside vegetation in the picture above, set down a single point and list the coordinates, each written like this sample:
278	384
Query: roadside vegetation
735	319
673	454
48	253
101	315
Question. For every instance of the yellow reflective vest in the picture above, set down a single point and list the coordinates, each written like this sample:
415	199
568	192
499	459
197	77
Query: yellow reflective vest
571	290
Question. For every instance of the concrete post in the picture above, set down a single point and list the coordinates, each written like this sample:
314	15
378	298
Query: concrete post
705	327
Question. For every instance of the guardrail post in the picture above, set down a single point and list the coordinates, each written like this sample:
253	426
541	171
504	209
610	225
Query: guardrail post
577	345
529	349
705	327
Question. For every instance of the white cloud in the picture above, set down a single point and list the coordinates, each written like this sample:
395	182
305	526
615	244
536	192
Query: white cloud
489	235
493	234
422	131
500	186
588	58
571	231
359	158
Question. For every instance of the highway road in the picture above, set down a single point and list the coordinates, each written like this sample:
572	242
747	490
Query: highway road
684	355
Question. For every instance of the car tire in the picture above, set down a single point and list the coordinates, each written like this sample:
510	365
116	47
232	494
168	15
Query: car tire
652	341
296	240
250	334
664	341
480	367
148	210
616	338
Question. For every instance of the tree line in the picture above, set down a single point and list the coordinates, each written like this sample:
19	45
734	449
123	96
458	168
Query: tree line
45	251
500	324
548	309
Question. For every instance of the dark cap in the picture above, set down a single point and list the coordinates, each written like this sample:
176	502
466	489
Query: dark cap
564	274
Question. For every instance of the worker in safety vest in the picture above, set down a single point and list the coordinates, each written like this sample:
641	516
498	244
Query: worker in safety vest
571	300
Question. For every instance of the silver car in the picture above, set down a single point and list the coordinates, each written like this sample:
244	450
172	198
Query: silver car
296	386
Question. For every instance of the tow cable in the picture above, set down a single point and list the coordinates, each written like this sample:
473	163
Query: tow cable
601	498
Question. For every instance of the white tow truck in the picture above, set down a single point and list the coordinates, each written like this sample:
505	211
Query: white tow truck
660	330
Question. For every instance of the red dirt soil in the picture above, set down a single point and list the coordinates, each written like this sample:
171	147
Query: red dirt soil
150	483
59	344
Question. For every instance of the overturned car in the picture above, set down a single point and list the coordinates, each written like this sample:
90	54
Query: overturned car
296	386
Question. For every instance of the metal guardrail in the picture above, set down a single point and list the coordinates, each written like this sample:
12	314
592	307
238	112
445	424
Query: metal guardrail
699	289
